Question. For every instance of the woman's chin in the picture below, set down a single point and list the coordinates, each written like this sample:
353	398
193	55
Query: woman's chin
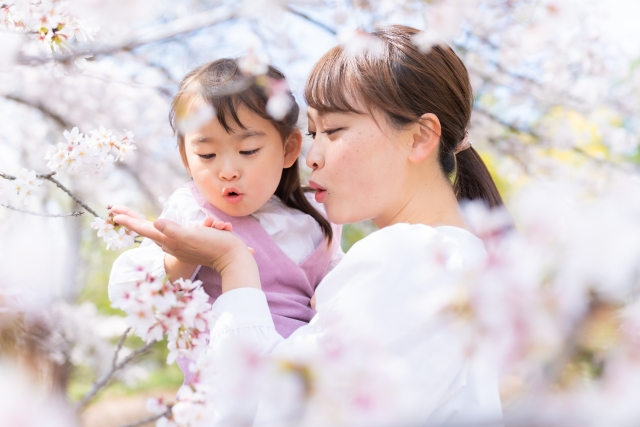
340	216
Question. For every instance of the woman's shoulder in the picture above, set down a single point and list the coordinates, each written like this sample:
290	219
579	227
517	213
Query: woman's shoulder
414	242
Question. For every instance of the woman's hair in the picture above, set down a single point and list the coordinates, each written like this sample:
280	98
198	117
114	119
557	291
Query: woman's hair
406	83
221	84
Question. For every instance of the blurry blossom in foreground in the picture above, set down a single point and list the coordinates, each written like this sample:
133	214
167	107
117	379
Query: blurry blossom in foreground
26	405
554	306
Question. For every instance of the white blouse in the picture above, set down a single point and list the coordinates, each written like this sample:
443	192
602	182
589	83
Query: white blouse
295	232
371	342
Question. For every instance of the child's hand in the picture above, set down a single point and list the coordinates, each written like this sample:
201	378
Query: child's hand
313	302
221	225
217	224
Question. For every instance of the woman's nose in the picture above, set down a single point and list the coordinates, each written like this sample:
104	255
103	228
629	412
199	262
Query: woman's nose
315	156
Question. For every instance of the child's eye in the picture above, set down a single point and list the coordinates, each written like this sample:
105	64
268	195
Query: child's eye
250	152
312	135
207	156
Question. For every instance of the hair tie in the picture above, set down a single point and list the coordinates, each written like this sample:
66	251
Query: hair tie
464	144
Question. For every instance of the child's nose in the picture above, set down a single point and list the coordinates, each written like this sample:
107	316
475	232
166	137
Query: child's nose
229	172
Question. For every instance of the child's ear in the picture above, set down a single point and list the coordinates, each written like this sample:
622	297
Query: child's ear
183	155
292	147
426	138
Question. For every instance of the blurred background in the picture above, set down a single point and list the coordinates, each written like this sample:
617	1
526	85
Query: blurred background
557	96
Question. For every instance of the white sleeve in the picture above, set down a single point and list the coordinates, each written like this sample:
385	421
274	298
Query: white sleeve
367	318
181	208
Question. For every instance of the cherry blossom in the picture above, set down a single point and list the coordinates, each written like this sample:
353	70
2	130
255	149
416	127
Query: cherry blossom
115	235
179	310
92	154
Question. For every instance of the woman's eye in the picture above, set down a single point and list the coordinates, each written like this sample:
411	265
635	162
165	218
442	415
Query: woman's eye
311	134
332	131
250	152
207	156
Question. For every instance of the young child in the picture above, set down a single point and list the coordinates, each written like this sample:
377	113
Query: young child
244	169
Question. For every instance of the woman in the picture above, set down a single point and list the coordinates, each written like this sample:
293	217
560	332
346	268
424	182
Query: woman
389	133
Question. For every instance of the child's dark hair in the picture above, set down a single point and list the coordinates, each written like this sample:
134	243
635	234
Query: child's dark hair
225	88
405	83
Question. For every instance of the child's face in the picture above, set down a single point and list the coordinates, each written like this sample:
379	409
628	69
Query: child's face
238	172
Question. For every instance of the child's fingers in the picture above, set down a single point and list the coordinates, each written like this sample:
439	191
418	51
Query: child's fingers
208	221
221	225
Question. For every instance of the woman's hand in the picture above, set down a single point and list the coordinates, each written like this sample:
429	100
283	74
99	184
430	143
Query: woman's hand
214	247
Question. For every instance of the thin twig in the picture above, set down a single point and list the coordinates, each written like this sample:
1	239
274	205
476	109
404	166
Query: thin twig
149	35
312	20
119	347
63	188
150	419
49	177
102	382
13	208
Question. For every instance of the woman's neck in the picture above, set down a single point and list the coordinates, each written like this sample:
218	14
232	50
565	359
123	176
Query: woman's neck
431	202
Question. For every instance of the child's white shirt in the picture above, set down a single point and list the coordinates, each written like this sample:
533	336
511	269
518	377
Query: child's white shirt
295	232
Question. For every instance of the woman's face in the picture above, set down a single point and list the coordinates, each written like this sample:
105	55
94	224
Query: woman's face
359	166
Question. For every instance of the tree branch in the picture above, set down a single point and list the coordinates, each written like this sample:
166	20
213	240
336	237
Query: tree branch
104	380
13	208
150	419
310	19
150	35
63	188
45	110
49	177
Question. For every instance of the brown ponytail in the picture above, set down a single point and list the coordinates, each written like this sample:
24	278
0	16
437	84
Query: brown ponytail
406	83
473	180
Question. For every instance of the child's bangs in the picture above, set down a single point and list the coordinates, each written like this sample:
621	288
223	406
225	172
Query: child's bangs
333	84
226	108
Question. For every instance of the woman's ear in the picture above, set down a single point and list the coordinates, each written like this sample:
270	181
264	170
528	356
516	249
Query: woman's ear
183	155
426	138
292	147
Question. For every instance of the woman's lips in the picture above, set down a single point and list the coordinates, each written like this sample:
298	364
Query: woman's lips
321	193
231	195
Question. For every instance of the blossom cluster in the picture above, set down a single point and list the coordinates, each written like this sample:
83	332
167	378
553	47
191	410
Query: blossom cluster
49	20
93	153
156	307
115	235
23	187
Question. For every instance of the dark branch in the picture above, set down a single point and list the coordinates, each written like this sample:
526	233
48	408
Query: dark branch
310	19
63	188
102	382
150	419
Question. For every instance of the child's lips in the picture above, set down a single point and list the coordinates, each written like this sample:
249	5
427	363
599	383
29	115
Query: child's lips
231	195
321	193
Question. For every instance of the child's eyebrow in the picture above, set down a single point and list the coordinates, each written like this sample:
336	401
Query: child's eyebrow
249	134
202	139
